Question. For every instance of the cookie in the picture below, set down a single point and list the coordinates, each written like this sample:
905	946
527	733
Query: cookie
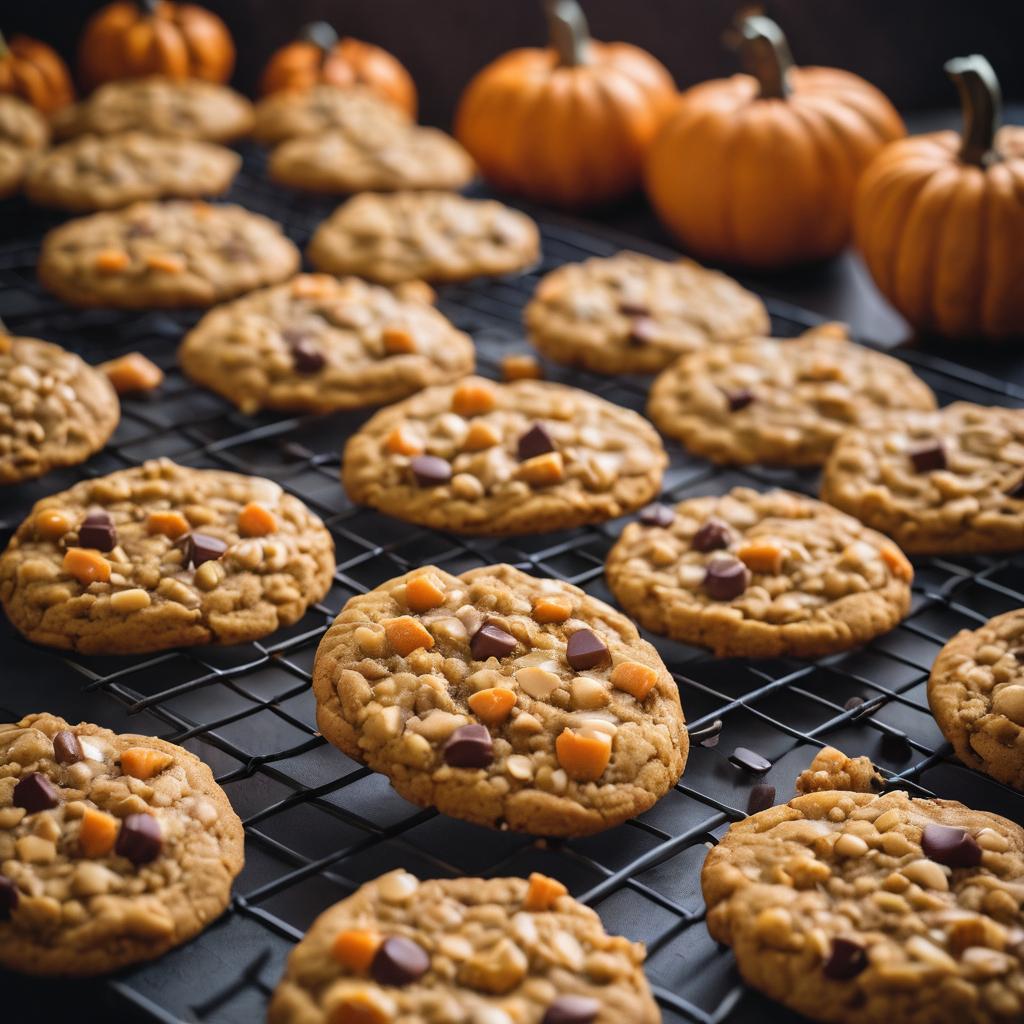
163	255
759	575
502	699
631	313
191	109
101	172
486	458
55	409
13	164
163	556
486	951
320	344
434	236
832	769
24	133
976	693
858	909
779	402
113	848
943	482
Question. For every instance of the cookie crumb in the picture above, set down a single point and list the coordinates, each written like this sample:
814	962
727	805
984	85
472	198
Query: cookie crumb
832	769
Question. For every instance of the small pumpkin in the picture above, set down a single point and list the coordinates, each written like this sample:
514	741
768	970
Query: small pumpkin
128	39
569	124
939	218
318	56
34	71
760	169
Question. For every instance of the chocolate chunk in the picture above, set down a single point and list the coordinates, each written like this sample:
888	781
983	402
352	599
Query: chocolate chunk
97	532
9	897
846	960
1019	654
761	798
237	250
399	961
725	578
572	1010
738	399
927	455
307	358
586	649
140	839
536	441
1016	490
491	641
657	515
954	847
201	547
633	308
750	761
66	748
35	793
712	536
470	746
853	702
896	746
430	471
642	330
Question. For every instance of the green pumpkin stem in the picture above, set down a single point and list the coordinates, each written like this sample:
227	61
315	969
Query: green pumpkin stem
567	27
765	55
320	34
981	101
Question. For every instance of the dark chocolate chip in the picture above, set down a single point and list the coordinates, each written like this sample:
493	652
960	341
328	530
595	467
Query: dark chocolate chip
307	358
633	309
572	1010
927	455
846	960
657	515
430	471
491	641
712	536
853	702
470	746
750	761
35	793
140	839
399	961
9	897
66	748
642	330
896	746
761	797
1016	490
586	649
738	399
954	847
141	229
201	547
725	578
236	249
97	532
1019	654
536	441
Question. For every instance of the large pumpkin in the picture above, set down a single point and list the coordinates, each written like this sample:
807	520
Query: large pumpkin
34	71
318	57
569	124
155	37
940	218
760	169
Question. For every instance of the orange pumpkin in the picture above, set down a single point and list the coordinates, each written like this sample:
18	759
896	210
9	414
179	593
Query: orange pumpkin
34	71
760	169
939	218
155	37
318	56
569	124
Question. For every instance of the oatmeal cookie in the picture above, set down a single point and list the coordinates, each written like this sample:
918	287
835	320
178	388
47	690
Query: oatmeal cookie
759	575
436	236
113	848
163	556
943	482
163	255
491	951
632	313
976	692
502	699
832	769
55	409
24	133
320	344
779	402
486	458
13	163
854	908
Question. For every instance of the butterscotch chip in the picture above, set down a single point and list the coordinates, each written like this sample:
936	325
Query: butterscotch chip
475	701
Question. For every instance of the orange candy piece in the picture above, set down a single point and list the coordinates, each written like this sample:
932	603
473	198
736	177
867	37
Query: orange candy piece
543	892
364	1007
110	261
406	635
311	286
397	340
170	524
51	523
584	758
493	705
401	442
552	609
144	762
166	262
256	521
543	469
520	367
898	563
86	565
762	557
98	833
472	397
479	436
635	679
5	344
133	373
422	594
355	948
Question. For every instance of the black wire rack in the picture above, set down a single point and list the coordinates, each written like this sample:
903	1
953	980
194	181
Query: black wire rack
317	823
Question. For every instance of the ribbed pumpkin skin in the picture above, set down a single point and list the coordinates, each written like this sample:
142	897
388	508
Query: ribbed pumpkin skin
178	40
570	136
32	70
301	65
768	183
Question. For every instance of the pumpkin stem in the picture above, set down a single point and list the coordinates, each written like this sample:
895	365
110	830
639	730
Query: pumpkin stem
320	34
981	100
149	6
570	36
4	50
765	54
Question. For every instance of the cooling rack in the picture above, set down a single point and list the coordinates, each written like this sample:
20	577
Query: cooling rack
317	823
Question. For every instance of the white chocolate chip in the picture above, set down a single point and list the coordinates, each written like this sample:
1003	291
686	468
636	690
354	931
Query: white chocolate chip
588	693
397	886
537	682
519	767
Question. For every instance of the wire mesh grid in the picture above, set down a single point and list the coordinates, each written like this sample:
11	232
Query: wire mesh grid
317	823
